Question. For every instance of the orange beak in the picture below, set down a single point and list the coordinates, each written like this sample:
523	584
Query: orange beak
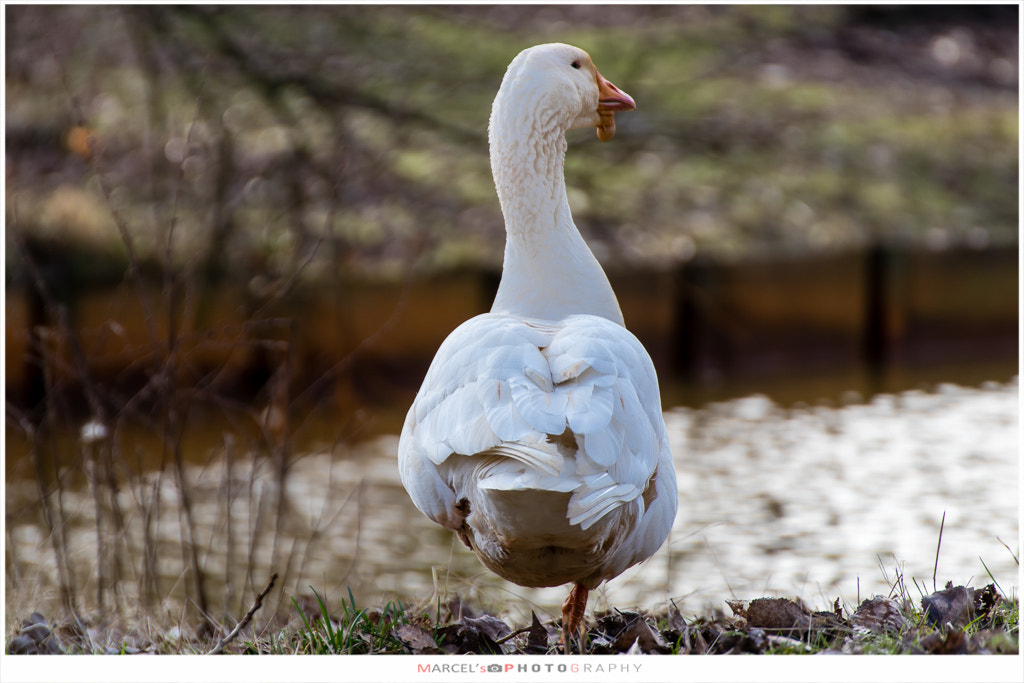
610	100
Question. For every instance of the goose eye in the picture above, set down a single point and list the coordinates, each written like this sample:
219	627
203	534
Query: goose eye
575	64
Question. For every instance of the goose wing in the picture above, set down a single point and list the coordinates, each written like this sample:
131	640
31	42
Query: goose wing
572	406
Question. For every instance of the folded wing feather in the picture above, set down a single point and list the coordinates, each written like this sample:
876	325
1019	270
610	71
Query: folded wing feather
504	390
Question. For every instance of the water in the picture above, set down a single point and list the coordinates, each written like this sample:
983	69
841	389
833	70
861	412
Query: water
815	502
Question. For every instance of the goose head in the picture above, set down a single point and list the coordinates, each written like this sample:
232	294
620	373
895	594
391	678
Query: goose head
558	85
548	272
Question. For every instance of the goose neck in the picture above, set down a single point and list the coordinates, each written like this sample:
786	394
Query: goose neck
549	271
530	180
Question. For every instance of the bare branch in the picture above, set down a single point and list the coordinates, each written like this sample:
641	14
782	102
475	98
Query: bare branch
246	619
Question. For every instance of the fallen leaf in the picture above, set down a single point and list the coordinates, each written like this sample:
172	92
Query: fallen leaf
738	642
35	638
416	639
880	614
475	636
738	607
955	606
676	631
537	636
985	600
458	609
675	620
991	641
601	644
493	627
638	632
782	617
699	645
626	629
778	616
954	643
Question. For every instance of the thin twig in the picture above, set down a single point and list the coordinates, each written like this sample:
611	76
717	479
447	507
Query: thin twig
246	619
1015	558
512	635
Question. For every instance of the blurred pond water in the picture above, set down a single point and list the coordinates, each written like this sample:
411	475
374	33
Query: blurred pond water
808	501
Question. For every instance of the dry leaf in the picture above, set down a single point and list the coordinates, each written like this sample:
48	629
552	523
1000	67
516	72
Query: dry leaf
416	639
475	636
638	632
778	616
880	614
954	643
537	636
951	606
35	638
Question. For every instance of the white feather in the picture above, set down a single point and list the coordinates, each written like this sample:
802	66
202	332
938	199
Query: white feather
605	446
503	416
543	410
597	414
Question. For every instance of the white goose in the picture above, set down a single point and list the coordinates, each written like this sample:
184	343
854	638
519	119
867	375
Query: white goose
537	435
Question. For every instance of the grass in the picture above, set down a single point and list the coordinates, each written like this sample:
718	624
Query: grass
394	629
354	632
773	626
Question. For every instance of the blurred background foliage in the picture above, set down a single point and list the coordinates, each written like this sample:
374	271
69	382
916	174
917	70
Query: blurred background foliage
273	139
209	191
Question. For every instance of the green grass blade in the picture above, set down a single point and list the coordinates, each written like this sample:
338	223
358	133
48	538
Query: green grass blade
998	587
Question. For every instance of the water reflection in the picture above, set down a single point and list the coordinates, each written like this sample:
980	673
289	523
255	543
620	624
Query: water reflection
809	501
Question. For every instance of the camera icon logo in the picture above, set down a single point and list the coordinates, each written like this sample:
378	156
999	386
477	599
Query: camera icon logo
495	668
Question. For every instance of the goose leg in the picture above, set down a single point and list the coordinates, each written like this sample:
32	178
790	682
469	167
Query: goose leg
572	613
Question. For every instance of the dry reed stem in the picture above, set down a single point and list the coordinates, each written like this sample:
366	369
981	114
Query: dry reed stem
62	354
53	518
935	571
246	619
